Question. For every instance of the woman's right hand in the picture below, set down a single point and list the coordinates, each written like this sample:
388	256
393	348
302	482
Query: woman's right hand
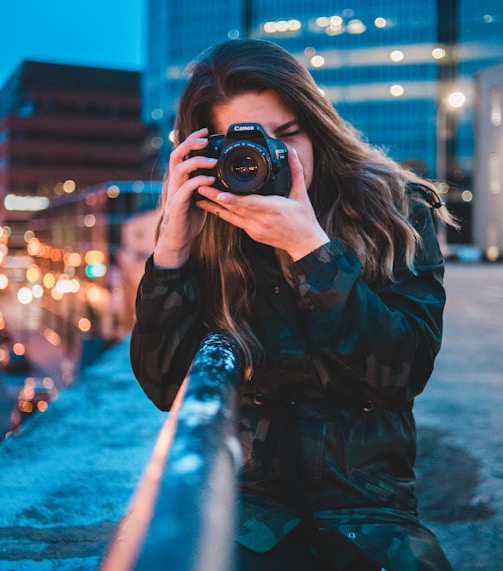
182	221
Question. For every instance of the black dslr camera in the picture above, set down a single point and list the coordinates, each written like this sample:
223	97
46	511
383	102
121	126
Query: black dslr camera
249	162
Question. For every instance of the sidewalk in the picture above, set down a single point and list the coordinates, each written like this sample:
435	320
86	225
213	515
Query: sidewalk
67	478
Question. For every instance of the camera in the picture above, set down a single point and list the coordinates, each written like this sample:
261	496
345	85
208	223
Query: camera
249	162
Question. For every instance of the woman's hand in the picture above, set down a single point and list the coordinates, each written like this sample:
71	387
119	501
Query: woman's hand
182	221
288	223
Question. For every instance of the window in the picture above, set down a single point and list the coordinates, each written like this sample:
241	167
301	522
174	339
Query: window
494	173
495	105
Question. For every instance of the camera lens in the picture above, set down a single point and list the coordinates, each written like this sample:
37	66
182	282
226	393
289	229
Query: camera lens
244	167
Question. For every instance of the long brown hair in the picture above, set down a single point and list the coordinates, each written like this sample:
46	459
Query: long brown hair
358	193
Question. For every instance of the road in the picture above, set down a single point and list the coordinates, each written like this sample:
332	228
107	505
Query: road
44	358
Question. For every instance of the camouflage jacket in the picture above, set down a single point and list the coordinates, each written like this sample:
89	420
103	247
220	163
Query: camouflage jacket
351	356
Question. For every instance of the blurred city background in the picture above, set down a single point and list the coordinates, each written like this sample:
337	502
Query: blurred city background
86	119
83	148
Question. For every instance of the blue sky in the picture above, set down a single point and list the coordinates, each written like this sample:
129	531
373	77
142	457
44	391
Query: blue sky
103	33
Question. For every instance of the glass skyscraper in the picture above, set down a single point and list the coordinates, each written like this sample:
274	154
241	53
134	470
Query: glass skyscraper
388	66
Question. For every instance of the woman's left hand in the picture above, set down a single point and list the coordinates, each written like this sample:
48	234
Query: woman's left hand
288	223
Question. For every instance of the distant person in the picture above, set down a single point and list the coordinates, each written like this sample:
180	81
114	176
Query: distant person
329	279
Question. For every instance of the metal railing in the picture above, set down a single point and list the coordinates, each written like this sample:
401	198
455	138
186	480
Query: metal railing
182	516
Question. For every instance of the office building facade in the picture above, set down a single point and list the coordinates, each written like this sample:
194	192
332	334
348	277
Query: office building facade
488	180
388	66
63	128
88	253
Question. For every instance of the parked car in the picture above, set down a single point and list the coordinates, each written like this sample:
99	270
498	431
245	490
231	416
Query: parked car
4	333
13	357
12	354
34	397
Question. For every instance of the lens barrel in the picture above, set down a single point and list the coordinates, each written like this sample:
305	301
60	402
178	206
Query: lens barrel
244	167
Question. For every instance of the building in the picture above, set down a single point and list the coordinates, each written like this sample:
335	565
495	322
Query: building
489	163
63	128
388	66
88	253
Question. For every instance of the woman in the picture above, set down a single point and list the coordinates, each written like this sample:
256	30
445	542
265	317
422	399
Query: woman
334	294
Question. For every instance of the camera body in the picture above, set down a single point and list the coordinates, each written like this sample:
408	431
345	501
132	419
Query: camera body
249	162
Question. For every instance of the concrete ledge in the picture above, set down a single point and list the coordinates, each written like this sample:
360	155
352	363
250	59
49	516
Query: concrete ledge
68	476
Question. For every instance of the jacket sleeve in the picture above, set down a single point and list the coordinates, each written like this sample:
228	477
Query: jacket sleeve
167	331
379	343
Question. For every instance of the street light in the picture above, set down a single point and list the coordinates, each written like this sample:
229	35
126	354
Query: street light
453	101
456	99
